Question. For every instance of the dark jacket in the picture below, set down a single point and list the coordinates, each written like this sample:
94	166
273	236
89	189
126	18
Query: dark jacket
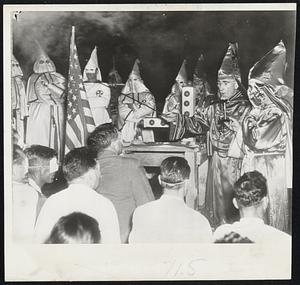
124	183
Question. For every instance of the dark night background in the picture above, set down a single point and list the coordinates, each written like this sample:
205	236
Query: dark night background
161	40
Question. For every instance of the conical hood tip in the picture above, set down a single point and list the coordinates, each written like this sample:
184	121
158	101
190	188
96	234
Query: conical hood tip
43	62
230	65
182	74
92	66
270	69
199	71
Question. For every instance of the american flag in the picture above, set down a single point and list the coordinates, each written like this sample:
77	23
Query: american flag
79	121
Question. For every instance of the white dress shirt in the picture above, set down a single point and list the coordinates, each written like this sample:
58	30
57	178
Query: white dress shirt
24	203
41	197
254	229
169	220
78	198
36	187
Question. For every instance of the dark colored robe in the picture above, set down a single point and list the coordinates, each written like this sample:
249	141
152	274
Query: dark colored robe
267	135
225	158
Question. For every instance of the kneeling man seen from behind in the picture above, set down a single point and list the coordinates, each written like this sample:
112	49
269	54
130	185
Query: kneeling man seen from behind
82	171
250	198
169	219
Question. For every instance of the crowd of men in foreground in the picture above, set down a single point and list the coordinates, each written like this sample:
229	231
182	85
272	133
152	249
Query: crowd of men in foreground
109	199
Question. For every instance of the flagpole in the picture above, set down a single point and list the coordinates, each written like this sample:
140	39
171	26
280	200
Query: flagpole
38	43
79	98
72	40
79	117
65	107
73	37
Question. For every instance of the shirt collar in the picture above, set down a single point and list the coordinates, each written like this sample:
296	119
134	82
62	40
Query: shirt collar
107	153
172	197
252	220
17	182
32	183
79	186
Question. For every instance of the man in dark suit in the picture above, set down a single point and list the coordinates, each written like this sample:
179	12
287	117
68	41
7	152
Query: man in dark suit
123	179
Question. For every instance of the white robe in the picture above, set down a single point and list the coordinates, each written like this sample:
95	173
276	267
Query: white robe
131	113
45	125
98	95
19	105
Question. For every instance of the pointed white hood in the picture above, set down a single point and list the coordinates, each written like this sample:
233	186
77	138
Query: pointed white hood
92	65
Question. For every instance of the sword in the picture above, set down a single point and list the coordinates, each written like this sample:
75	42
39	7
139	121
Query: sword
25	128
51	122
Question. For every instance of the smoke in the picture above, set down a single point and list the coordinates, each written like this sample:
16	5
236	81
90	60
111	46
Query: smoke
53	30
161	40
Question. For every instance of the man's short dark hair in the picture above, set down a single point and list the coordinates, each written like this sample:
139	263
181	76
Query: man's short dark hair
102	136
173	171
77	162
233	237
18	155
250	189
75	228
37	152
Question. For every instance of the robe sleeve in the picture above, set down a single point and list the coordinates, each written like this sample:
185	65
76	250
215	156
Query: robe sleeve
171	104
125	112
195	125
24	106
57	87
23	98
30	89
265	131
144	111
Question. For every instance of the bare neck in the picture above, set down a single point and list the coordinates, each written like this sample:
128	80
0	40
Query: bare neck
252	212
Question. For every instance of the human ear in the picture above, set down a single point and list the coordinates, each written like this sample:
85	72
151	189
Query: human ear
159	179
265	203
92	176
187	187
235	203
236	84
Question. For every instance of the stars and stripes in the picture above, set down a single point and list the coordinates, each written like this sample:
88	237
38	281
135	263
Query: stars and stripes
79	121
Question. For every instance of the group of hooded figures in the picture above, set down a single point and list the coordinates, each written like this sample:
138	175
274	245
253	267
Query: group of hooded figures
242	130
38	107
245	131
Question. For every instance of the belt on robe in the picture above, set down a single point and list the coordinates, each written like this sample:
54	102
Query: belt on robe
266	153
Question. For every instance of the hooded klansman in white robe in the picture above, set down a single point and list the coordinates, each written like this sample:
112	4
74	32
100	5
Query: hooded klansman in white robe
46	96
98	92
135	103
18	99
